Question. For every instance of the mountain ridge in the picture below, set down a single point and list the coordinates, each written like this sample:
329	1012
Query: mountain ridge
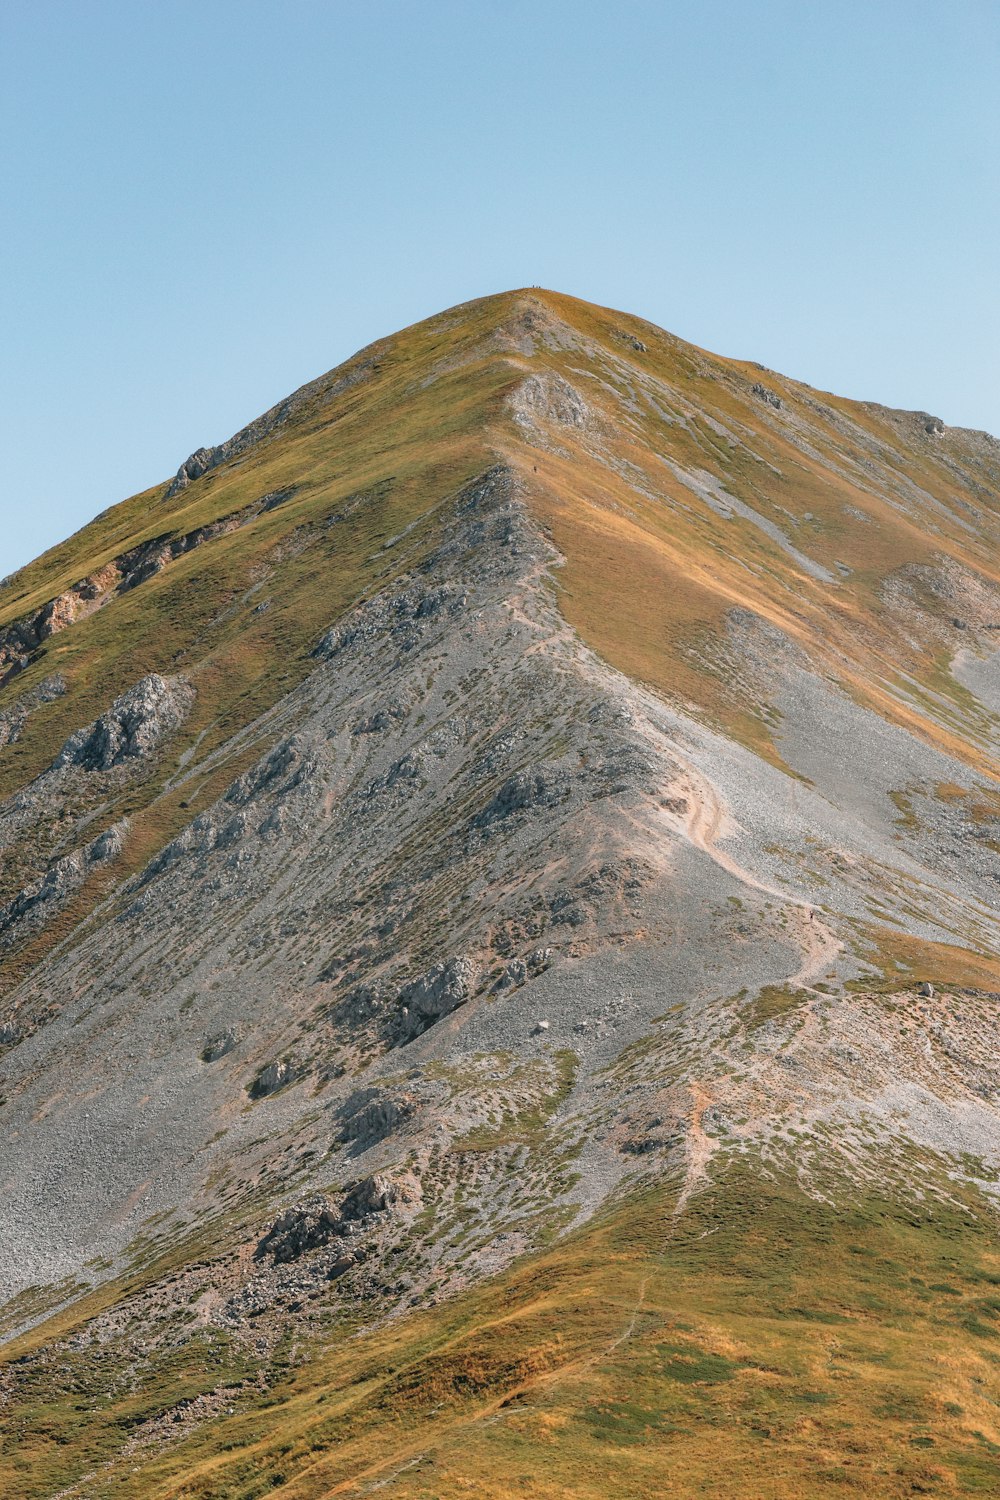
529	810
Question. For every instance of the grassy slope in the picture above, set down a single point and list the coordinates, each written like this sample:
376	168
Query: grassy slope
764	1344
648	581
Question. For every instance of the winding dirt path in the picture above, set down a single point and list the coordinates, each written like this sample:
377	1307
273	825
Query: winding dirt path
704	825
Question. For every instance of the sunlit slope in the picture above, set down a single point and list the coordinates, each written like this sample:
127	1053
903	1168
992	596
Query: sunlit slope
673	484
681	486
764	1343
678	484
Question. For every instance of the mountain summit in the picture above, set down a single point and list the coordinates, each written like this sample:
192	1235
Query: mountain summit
499	963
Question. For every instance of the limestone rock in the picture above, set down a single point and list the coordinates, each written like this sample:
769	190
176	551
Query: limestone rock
273	1077
373	1117
765	394
302	1227
219	1046
549	397
526	789
441	990
39	901
135	724
199	463
378	1194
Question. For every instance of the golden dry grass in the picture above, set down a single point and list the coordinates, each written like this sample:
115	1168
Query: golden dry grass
766	1344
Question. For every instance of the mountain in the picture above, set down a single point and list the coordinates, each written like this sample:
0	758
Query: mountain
499	966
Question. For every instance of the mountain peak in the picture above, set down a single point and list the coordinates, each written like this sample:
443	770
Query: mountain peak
499	932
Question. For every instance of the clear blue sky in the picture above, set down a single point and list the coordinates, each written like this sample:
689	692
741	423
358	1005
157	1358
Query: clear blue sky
205	205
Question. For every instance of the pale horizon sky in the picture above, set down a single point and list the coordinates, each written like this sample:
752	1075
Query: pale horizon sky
210	204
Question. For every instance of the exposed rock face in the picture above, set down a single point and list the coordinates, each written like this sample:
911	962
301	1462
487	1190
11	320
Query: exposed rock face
273	1077
438	992
378	1194
550	397
541	787
518	971
134	726
373	1117
43	898
220	1045
14	718
408	616
21	640
303	1227
314	1222
315	394
764	393
199	463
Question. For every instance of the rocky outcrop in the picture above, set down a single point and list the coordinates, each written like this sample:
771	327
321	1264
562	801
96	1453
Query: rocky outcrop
405	616
14	718
549	397
272	1078
534	788
629	339
378	1194
765	394
372	1117
193	467
437	993
518	971
39	901
220	1045
302	1227
133	727
21	640
314	1222
315	393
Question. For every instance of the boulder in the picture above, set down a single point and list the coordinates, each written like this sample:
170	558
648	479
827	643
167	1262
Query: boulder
110	843
372	1117
219	1045
341	1266
199	463
376	1195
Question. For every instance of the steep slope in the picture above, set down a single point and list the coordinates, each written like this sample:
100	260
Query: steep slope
526	807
